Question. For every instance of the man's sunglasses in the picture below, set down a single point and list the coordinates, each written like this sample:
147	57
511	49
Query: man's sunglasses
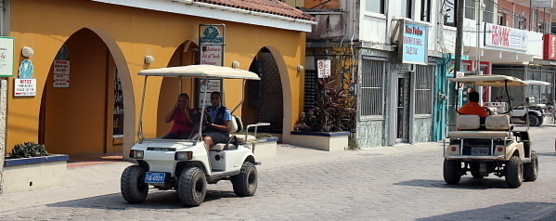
183	101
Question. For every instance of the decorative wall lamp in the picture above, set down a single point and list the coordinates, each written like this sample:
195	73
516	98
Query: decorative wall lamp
235	64
27	52
300	68
149	59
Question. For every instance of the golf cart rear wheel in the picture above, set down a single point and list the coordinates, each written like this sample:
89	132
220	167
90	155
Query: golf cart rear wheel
514	172
192	187
132	184
245	184
452	171
531	170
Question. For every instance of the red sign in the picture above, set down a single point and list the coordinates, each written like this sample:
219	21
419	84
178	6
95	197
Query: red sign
549	47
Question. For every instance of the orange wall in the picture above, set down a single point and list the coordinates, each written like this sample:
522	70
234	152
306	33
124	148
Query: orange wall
128	34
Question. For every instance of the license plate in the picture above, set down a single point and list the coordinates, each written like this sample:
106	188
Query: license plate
480	151
152	177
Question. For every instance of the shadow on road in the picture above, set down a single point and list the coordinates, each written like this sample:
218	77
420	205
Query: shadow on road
507	211
466	182
155	200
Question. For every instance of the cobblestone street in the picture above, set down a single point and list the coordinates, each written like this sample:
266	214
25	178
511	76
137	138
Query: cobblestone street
388	183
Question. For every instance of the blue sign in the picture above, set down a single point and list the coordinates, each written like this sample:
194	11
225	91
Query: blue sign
414	44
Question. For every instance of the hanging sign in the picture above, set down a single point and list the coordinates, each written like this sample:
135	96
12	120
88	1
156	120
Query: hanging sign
413	45
25	87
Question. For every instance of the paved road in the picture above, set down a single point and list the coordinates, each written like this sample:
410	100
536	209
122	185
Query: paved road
389	183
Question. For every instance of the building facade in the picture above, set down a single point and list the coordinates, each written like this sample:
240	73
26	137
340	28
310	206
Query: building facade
397	59
86	91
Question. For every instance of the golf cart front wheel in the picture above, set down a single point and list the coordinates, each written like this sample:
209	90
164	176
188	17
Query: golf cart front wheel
192	187
132	184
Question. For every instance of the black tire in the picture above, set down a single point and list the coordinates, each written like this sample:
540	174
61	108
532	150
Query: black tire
192	187
514	172
535	120
531	170
245	184
132	184
452	171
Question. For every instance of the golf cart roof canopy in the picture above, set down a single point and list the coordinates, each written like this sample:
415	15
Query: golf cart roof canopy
491	80
201	71
536	83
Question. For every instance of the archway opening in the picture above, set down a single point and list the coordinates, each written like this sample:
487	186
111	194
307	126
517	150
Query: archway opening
185	54
264	100
82	104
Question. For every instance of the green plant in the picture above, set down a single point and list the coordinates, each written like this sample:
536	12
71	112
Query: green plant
332	113
29	149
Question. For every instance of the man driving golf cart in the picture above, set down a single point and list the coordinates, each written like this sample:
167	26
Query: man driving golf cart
473	107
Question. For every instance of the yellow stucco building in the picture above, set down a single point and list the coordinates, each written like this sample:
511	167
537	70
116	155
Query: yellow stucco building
91	104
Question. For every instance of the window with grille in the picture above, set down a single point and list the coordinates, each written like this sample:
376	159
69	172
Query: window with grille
372	87
423	89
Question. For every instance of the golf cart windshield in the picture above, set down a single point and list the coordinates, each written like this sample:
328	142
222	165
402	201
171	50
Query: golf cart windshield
194	71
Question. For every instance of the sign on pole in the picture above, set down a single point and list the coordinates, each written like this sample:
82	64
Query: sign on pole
458	75
211	42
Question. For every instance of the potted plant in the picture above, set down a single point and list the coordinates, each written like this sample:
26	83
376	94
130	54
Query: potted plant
31	167
326	126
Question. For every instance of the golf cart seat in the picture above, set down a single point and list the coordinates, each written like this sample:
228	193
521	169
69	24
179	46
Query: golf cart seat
234	139
497	126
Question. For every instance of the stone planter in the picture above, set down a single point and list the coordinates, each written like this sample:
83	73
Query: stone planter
26	174
329	141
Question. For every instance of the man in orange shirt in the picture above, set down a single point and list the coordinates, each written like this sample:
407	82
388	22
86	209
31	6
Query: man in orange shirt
473	106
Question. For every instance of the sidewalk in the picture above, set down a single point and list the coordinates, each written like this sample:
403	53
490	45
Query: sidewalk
94	177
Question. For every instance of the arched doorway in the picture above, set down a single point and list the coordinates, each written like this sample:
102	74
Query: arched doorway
82	109
264	98
185	54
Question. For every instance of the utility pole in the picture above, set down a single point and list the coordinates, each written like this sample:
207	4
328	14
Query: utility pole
459	34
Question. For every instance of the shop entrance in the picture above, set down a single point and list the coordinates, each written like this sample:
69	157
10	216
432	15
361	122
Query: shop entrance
402	108
265	97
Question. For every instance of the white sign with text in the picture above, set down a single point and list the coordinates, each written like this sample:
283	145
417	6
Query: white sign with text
25	87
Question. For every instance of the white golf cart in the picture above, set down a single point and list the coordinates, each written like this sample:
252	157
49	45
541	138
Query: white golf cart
535	114
184	164
490	145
